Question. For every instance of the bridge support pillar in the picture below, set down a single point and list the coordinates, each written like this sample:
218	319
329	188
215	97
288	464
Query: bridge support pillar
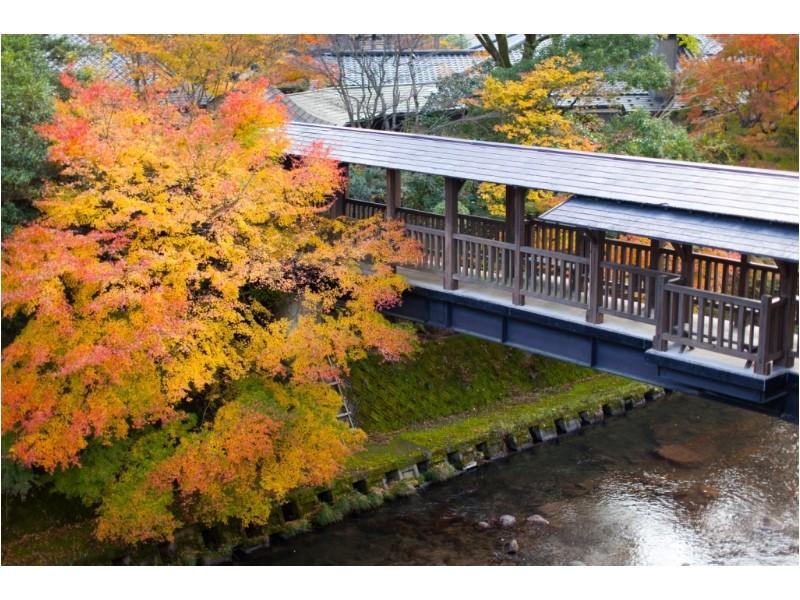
451	188
687	278
392	192
595	291
788	291
340	196
515	199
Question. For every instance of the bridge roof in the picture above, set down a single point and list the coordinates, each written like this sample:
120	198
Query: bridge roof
727	233
713	189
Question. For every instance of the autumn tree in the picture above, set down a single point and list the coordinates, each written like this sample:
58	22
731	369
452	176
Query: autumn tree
535	111
188	306
743	100
199	68
626	59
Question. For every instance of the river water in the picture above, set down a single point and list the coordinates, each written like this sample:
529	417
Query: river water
682	481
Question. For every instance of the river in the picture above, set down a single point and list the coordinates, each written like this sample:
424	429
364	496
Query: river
681	481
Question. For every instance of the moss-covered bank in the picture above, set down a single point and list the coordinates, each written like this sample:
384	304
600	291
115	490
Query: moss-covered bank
450	375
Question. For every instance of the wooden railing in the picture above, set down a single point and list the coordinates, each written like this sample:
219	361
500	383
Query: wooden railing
555	276
431	243
420	218
730	306
556	238
628	291
627	253
741	327
485	261
711	273
483	227
362	209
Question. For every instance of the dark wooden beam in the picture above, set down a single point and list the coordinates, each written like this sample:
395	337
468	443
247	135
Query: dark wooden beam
788	291
340	196
392	192
509	221
687	278
596	246
451	188
744	273
517	204
653	263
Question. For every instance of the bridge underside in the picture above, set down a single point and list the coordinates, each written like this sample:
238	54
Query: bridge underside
616	346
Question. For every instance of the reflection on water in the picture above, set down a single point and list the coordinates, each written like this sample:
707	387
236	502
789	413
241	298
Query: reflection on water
684	481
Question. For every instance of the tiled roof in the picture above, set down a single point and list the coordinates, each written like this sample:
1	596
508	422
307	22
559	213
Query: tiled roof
325	106
656	222
758	194
100	61
412	67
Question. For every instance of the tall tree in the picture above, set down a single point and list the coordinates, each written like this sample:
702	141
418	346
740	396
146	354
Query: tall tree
200	68
638	133
28	89
744	99
497	47
536	110
175	256
627	59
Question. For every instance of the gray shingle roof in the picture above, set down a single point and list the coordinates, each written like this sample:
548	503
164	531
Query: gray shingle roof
413	67
701	187
727	233
325	106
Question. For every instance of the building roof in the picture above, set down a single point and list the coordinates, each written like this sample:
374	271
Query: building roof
701	229
713	189
325	106
418	67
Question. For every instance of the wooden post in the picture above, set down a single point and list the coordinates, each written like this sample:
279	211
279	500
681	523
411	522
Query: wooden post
510	216
687	279
744	273
653	264
788	291
760	363
593	314
392	192
517	235
451	189
340	196
662	311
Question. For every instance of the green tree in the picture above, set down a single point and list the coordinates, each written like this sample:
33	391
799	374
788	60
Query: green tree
640	134
627	59
27	100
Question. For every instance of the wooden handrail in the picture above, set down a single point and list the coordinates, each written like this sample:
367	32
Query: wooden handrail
686	290
479	240
555	254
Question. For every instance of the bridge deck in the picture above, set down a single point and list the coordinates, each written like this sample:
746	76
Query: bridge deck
432	280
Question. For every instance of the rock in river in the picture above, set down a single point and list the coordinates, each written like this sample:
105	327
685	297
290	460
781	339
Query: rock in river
537	520
512	546
680	455
507	520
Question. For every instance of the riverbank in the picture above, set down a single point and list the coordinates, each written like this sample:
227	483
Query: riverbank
685	481
458	404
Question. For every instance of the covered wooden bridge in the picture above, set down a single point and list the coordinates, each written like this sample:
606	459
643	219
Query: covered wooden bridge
667	308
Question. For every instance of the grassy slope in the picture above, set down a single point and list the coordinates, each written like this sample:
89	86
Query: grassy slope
493	422
459	390
449	375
